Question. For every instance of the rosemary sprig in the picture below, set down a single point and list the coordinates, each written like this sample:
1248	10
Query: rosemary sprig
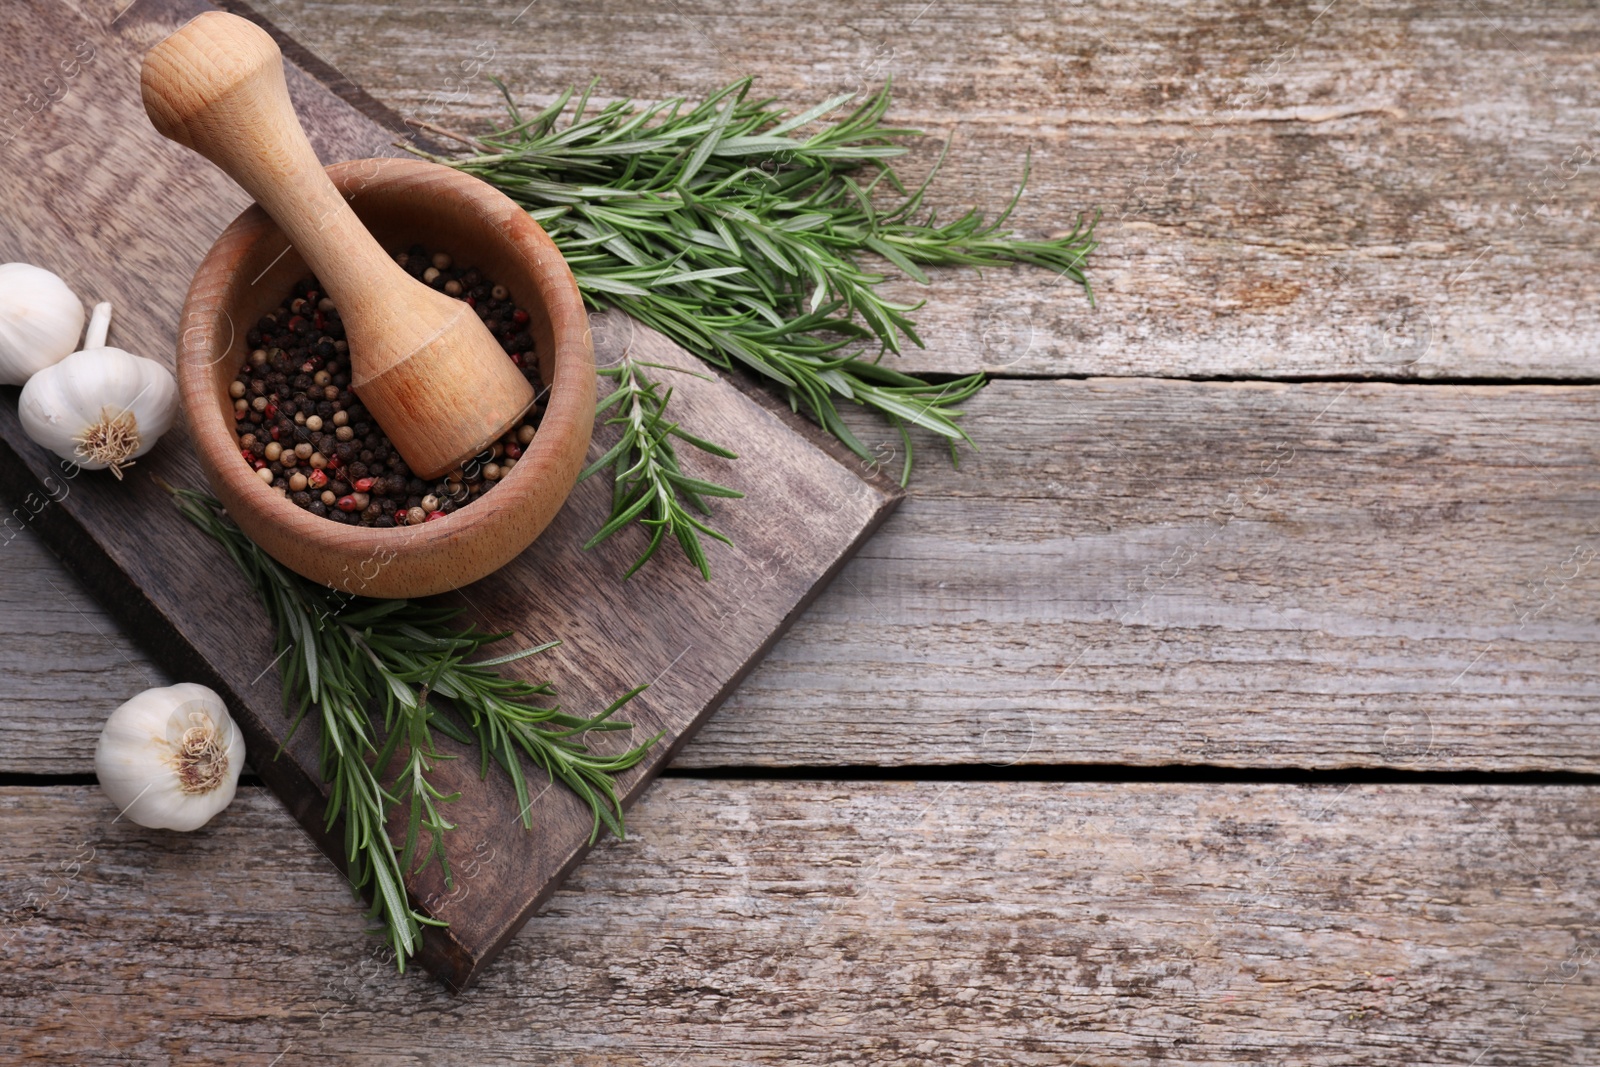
648	485
340	655
725	227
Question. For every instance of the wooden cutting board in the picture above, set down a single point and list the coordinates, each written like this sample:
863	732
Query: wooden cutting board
93	193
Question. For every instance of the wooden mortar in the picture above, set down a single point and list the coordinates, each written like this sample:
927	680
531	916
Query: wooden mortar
402	201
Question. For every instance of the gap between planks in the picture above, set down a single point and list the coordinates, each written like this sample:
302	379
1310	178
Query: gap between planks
1071	774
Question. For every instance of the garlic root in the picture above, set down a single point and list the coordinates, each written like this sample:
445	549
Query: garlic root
110	442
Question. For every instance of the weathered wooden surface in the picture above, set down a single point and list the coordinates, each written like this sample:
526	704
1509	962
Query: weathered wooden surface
881	923
1364	189
1133	571
1367	188
690	639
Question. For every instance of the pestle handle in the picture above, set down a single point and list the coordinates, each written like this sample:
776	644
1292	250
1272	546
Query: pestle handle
217	86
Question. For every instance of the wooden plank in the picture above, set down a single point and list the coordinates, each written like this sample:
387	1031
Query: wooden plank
167	584
883	923
1371	189
1141	572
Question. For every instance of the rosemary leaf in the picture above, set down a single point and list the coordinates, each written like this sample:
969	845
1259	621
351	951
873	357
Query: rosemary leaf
343	656
743	237
648	484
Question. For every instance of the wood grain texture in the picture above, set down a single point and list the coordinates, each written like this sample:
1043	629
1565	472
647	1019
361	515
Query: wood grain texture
881	923
1254	576
173	588
1140	572
1368	188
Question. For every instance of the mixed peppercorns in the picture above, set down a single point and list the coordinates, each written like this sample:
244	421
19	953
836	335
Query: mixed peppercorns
305	433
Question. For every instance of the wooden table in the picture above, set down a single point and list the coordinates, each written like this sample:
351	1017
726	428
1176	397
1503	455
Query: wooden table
1235	702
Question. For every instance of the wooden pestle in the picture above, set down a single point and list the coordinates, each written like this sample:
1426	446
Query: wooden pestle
422	362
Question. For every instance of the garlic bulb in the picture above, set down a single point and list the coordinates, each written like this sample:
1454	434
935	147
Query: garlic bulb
40	320
101	407
170	758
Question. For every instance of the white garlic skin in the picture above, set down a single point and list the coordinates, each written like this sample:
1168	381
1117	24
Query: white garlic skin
161	757
61	402
40	321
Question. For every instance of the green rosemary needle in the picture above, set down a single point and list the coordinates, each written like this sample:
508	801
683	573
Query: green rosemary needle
741	231
648	484
341	656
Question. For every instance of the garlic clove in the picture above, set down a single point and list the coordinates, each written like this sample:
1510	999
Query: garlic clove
170	758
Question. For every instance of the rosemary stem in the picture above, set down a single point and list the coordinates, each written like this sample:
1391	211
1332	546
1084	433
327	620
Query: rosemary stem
748	236
355	659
